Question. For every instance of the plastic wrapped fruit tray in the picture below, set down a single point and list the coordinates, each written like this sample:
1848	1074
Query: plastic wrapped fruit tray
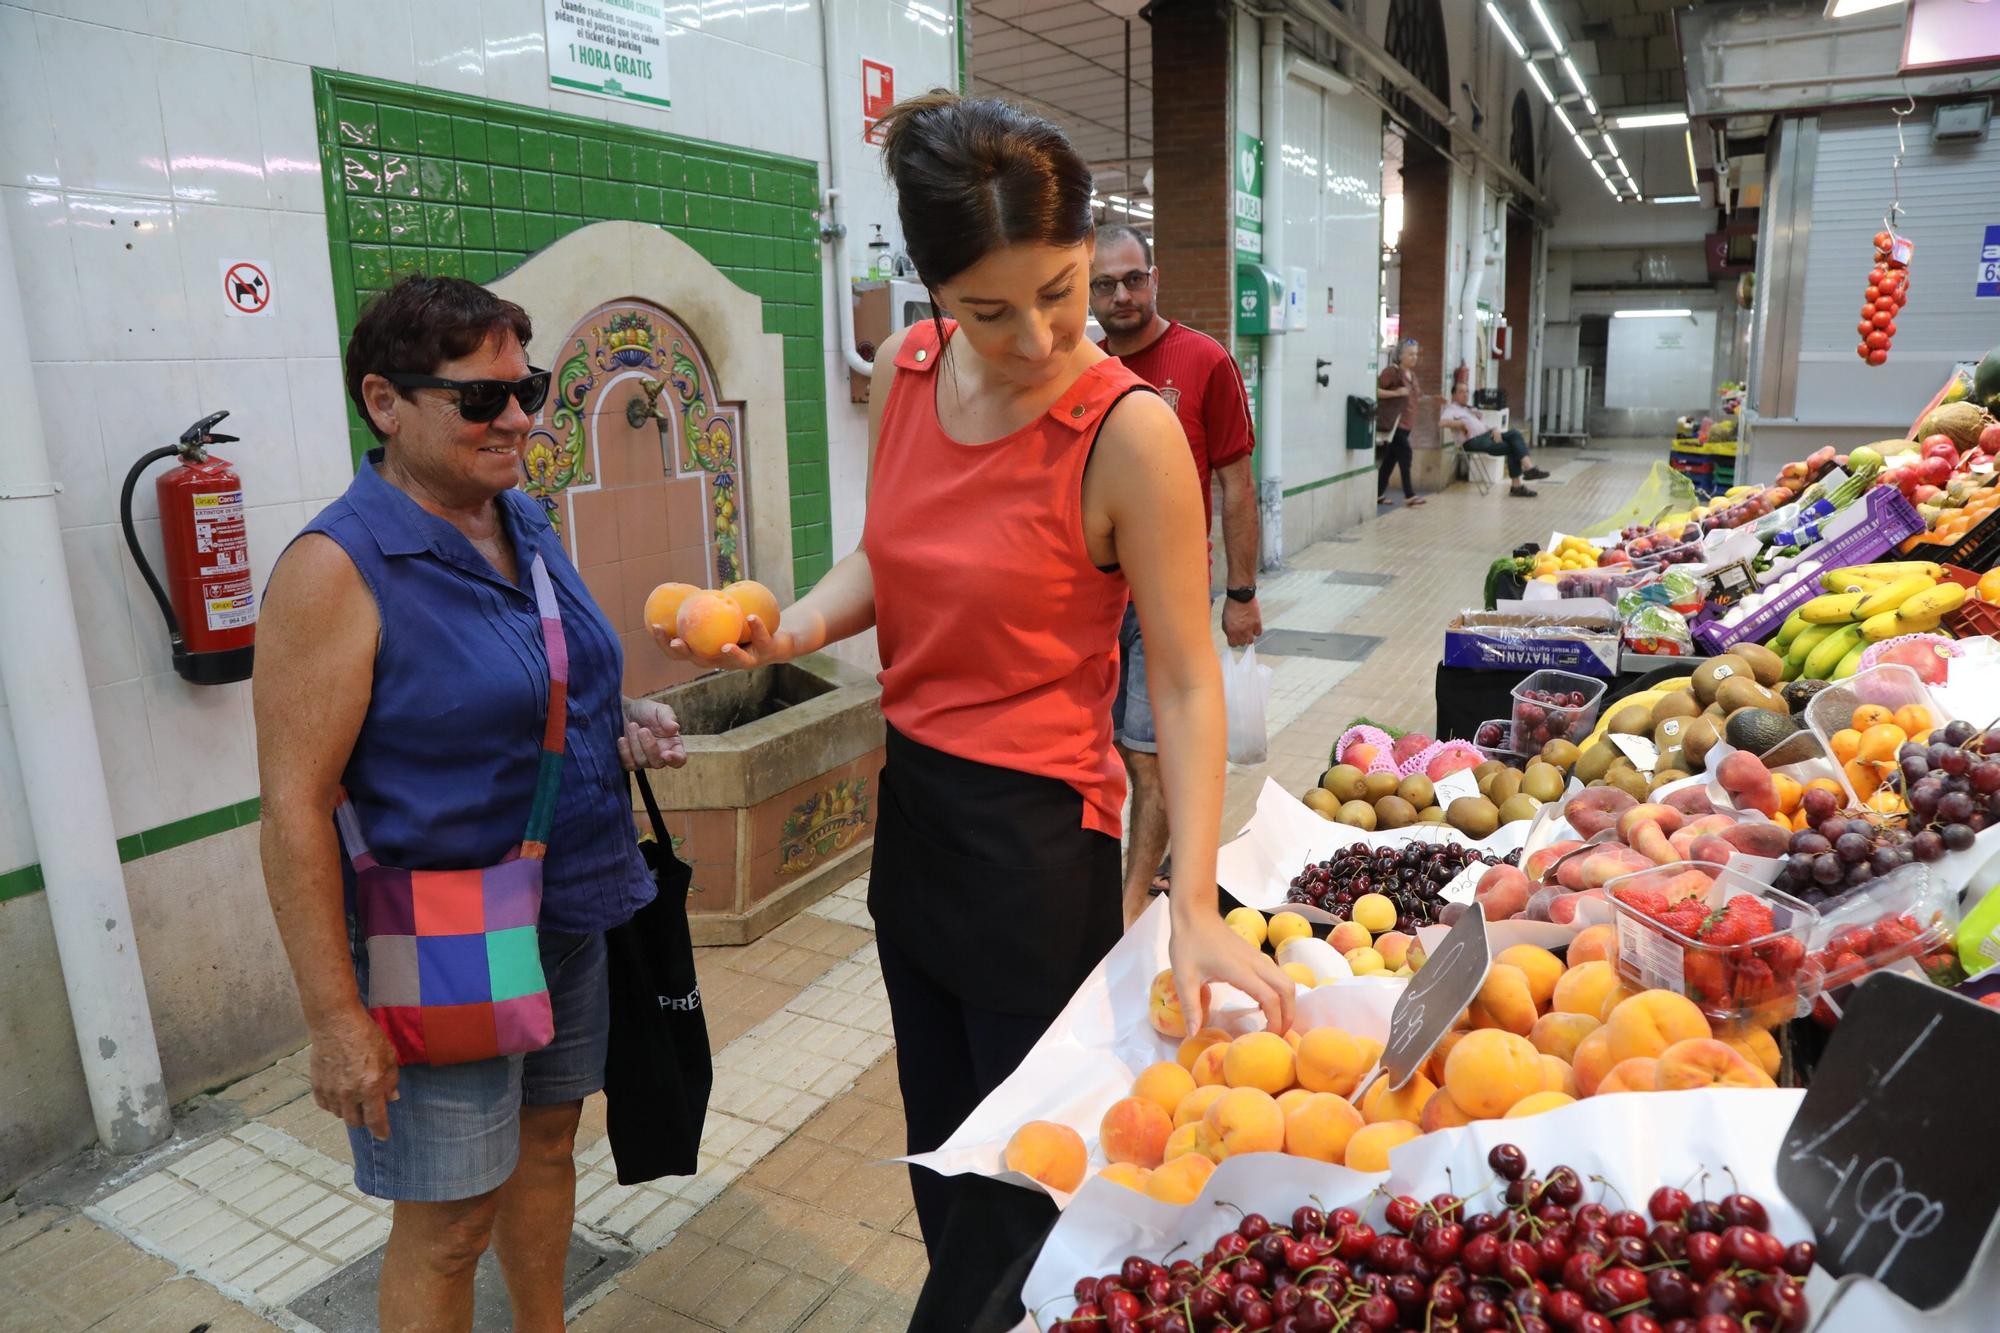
1907	921
1553	705
1685	927
1889	520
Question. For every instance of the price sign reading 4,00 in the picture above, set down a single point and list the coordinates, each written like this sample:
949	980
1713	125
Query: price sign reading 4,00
1891	1155
1448	981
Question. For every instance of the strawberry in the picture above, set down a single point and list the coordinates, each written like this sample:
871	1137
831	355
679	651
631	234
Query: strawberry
1741	920
1854	939
1707	977
1755	981
1686	917
1892	934
1784	953
1843	963
1648	902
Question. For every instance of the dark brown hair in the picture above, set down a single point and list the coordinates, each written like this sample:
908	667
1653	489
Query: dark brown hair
421	323
974	174
1112	230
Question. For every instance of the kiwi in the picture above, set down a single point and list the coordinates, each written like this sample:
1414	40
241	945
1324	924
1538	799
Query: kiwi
1699	738
1715	713
1417	790
1322	802
1743	692
1666	775
1542	782
1668	731
1345	781
1378	785
1767	666
1678	704
1632	782
1483	771
1431	814
1563	754
1708	677
1631	720
1474	816
1590	765
1360	814
1505	783
1518	807
1394	812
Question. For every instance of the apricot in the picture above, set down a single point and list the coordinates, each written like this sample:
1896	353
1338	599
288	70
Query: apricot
1163	1006
1300	974
1542	969
1396	948
1193	1138
1180	1181
1192	1046
1124	1173
754	599
1371	1145
1560	1034
1592	1061
1246	1120
1489	1070
1594	944
1537	1102
1330	1060
1291	1099
1703	1062
1634	1075
1557	1076
1441	1112
1320	1127
1134	1130
1508	1002
663	604
1442	1052
707	622
1754	1044
1195	1105
1163	1084
1651	1021
1584	988
1208	1067
1047	1152
1379	1103
1349	936
1261	1060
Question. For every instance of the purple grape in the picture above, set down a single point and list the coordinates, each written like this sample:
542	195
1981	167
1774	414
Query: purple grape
1858	873
1927	846
1828	869
1885	859
1986	778
1833	826
1915	767
1956	808
1959	732
1808	843
1956	762
1958	837
1854	847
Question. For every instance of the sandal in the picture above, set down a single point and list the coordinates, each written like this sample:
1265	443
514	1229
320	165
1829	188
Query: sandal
1416	500
1381	499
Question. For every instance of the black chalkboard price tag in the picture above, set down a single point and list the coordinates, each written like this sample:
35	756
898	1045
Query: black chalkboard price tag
1891	1156
1448	981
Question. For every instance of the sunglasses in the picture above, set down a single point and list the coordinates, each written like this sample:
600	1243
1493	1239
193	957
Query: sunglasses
484	400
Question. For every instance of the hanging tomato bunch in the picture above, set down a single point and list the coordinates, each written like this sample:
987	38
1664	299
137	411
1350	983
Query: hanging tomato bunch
1888	291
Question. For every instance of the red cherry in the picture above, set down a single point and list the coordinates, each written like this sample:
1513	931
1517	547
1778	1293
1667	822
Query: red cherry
1704	1252
1799	1258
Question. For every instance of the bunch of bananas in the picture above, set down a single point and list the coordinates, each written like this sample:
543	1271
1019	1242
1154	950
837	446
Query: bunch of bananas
1863	604
1569	553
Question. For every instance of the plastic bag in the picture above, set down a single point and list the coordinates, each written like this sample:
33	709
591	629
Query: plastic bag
1246	689
1658	631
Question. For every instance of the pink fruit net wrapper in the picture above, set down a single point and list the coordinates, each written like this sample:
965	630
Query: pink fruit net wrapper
1924	654
1385	757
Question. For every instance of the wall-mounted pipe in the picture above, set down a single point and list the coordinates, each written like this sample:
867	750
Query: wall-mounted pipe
833	232
1271	380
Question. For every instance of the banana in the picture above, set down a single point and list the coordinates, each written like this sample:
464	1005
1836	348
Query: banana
1849	664
1932	604
1808	639
1821	662
1893	595
1839	580
1885	625
1835	608
1893	569
1786	633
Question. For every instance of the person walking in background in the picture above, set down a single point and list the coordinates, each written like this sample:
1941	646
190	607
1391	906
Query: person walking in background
1198	379
1479	438
1396	393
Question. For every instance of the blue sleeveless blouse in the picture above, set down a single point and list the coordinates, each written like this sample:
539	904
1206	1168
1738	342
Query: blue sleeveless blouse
443	771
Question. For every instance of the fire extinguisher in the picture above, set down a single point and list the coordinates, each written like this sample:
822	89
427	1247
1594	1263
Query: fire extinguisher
212	612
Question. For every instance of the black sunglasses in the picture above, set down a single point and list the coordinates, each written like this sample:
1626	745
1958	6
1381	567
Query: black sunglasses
483	400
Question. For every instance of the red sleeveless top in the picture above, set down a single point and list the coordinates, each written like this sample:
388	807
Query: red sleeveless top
998	635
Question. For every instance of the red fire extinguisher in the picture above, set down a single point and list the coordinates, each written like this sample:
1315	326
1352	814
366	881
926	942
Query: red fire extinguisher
212	612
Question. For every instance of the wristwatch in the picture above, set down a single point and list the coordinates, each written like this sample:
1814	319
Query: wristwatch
1248	594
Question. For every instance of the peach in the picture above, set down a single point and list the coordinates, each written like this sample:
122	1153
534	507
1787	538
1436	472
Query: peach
1300	974
1651	1021
1397	948
1291	1099
1489	1070
1441	1052
1503	891
1563	911
1557	1076
1292	1037
1330	1060
1634	1075
1163	1006
1665	816
1190	1047
1406	1103
1124	1173
1349	936
754	599
1195	1105
1537	1102
1569	871
1542	969
1537	865
1583	988
1560	1034
1506	999
1748	783
1754	838
1703	1062
1651	843
1596	809
1246	1120
1321	1127
1193	1138
707	622
1715	850
1691	801
1134	1130
1755	1045
1594	944
1261	1060
663	604
1441	1112
1713	822
1163	1084
1617	997
1371	1145
1592	1061
1208	1067
1370	1048
1180	1180
1047	1152
1610	861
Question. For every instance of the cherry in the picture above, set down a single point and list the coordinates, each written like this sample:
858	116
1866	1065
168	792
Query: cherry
1160	1290
1482	1253
1355	1238
1564	1307
1308	1220
1482	1316
1105	1287
1590	1321
1205	1305
1627	1223
1392	1254
1135	1272
1520	1262
1123	1303
1449	1207
1174	1322
1442	1243
1257	1314
1087	1312
1402	1212
1623	1286
1253	1226
1742	1210
1669	1239
1717	1323
1379	1311
1672	1291
1593	1215
1722	1295
1565	1186
1667	1204
1232	1245
1580	1268
1555	1252
1508	1161
1638	1321
1249	1273
1744	1247
1448	1298
1704	1252
1799	1258
1704	1216
1532	1324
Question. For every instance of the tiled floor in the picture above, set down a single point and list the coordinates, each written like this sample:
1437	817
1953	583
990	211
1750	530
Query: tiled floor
795	1221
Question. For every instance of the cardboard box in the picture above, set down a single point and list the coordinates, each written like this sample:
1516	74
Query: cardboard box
1578	634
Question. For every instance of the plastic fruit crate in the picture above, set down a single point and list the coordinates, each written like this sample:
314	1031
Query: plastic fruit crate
1767	976
1973	617
1906	921
1890	685
1982	539
1537	723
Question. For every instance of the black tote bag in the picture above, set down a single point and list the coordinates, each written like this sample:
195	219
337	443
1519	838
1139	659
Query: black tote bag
657	1071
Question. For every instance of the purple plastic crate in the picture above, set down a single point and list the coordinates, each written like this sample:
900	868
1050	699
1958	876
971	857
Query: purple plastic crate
1890	520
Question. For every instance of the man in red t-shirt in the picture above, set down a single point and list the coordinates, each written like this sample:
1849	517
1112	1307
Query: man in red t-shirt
1200	381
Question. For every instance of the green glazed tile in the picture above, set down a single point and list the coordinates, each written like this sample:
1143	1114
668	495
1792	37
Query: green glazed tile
357	123
541	230
370	265
701	209
399	177
406	259
646	203
436	180
503	145
506	187
475	184
568	222
569	195
468	139
673	208
535	150
625	162
366	222
434	133
406	222
594	158
398	126
510	229
446	264
599	200
645	165
564	154
441	225
361	172
481	266
538	191
476	226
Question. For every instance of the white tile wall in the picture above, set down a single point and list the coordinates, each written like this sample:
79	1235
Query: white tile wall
200	129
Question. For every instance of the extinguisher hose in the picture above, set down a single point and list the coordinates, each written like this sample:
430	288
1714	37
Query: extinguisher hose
132	539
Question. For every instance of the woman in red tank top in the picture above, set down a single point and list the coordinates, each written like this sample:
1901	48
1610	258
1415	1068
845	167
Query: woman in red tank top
1021	485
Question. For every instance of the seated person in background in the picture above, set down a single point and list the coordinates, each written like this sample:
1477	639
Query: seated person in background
1477	437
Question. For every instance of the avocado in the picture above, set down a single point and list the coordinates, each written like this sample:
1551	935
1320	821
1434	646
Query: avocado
1758	729
1798	693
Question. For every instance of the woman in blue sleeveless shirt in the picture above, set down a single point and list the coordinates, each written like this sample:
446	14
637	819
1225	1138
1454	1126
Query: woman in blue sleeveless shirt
401	658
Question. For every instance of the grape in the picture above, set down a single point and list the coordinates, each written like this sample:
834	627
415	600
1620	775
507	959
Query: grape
1938	751
1885	859
1924	797
1955	762
1819	804
1854	847
1858	873
1828	869
1915	767
1927	846
1990	742
1955	808
1833	827
1986	778
1809	843
1958	837
1959	732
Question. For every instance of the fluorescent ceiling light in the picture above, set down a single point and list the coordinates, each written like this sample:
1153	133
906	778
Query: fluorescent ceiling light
1548	25
1694	177
1590	104
1575	78
1840	9
1595	165
1650	119
1613	188
1675	199
1623	170
1567	124
1536	74
1506	29
1610	144
1651	314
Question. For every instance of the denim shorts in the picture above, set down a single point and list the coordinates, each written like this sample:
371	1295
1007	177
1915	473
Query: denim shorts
1132	710
455	1130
